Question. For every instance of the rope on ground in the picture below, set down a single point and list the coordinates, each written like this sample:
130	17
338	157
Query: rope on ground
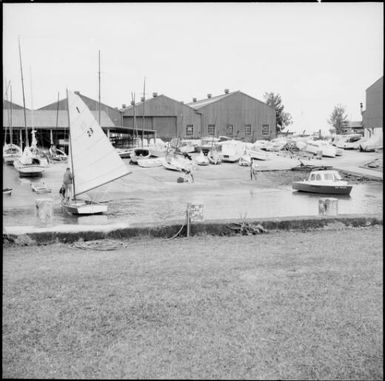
100	244
175	235
245	228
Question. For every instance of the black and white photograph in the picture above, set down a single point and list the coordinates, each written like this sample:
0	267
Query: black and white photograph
193	190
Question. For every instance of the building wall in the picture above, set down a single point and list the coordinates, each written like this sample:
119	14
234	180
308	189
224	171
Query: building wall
374	108
239	110
168	117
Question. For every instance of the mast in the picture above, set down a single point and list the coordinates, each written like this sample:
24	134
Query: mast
57	116
134	110
144	102
22	85
32	121
11	110
70	147
99	89
5	99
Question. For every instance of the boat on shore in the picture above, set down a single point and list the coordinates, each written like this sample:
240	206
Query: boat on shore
140	153
231	150
151	162
29	165
214	157
7	191
40	188
245	160
202	159
11	152
57	155
323	182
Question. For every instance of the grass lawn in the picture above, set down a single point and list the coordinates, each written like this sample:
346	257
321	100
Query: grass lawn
273	306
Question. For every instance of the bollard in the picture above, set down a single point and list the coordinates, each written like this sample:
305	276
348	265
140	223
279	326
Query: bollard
328	207
44	210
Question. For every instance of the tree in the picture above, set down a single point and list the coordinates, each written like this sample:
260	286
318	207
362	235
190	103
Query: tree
338	118
283	119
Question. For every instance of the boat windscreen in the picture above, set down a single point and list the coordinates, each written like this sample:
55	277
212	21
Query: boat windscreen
329	176
337	176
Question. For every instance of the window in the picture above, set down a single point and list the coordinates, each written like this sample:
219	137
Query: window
312	177
318	177
229	130
248	129
211	129
265	129
189	130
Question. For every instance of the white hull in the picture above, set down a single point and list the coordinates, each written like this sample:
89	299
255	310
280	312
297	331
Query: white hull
150	163
231	158
202	159
83	207
157	152
11	152
245	160
140	153
40	188
258	155
214	158
9	159
28	169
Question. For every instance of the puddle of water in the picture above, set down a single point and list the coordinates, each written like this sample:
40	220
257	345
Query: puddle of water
231	200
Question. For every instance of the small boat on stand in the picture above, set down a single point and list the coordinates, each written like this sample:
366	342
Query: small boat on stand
245	160
57	155
202	159
214	157
151	162
29	165
140	153
11	152
94	160
40	188
7	191
324	182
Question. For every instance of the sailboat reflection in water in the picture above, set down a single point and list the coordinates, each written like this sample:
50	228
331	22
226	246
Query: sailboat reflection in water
94	161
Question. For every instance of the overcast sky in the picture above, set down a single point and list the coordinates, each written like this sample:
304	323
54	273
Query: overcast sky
315	55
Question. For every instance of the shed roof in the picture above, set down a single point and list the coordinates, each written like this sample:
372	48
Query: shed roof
204	102
7	105
376	82
47	118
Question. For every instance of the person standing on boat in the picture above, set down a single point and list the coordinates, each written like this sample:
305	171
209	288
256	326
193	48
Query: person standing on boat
67	182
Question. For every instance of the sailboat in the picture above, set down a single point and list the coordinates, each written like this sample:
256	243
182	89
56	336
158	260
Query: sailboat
11	151
30	163
94	160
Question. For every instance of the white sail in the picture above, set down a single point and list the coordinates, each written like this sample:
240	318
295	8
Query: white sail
95	161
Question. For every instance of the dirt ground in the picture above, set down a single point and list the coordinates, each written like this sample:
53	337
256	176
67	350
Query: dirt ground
287	305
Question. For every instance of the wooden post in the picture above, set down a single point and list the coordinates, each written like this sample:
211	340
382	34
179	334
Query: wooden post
188	219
